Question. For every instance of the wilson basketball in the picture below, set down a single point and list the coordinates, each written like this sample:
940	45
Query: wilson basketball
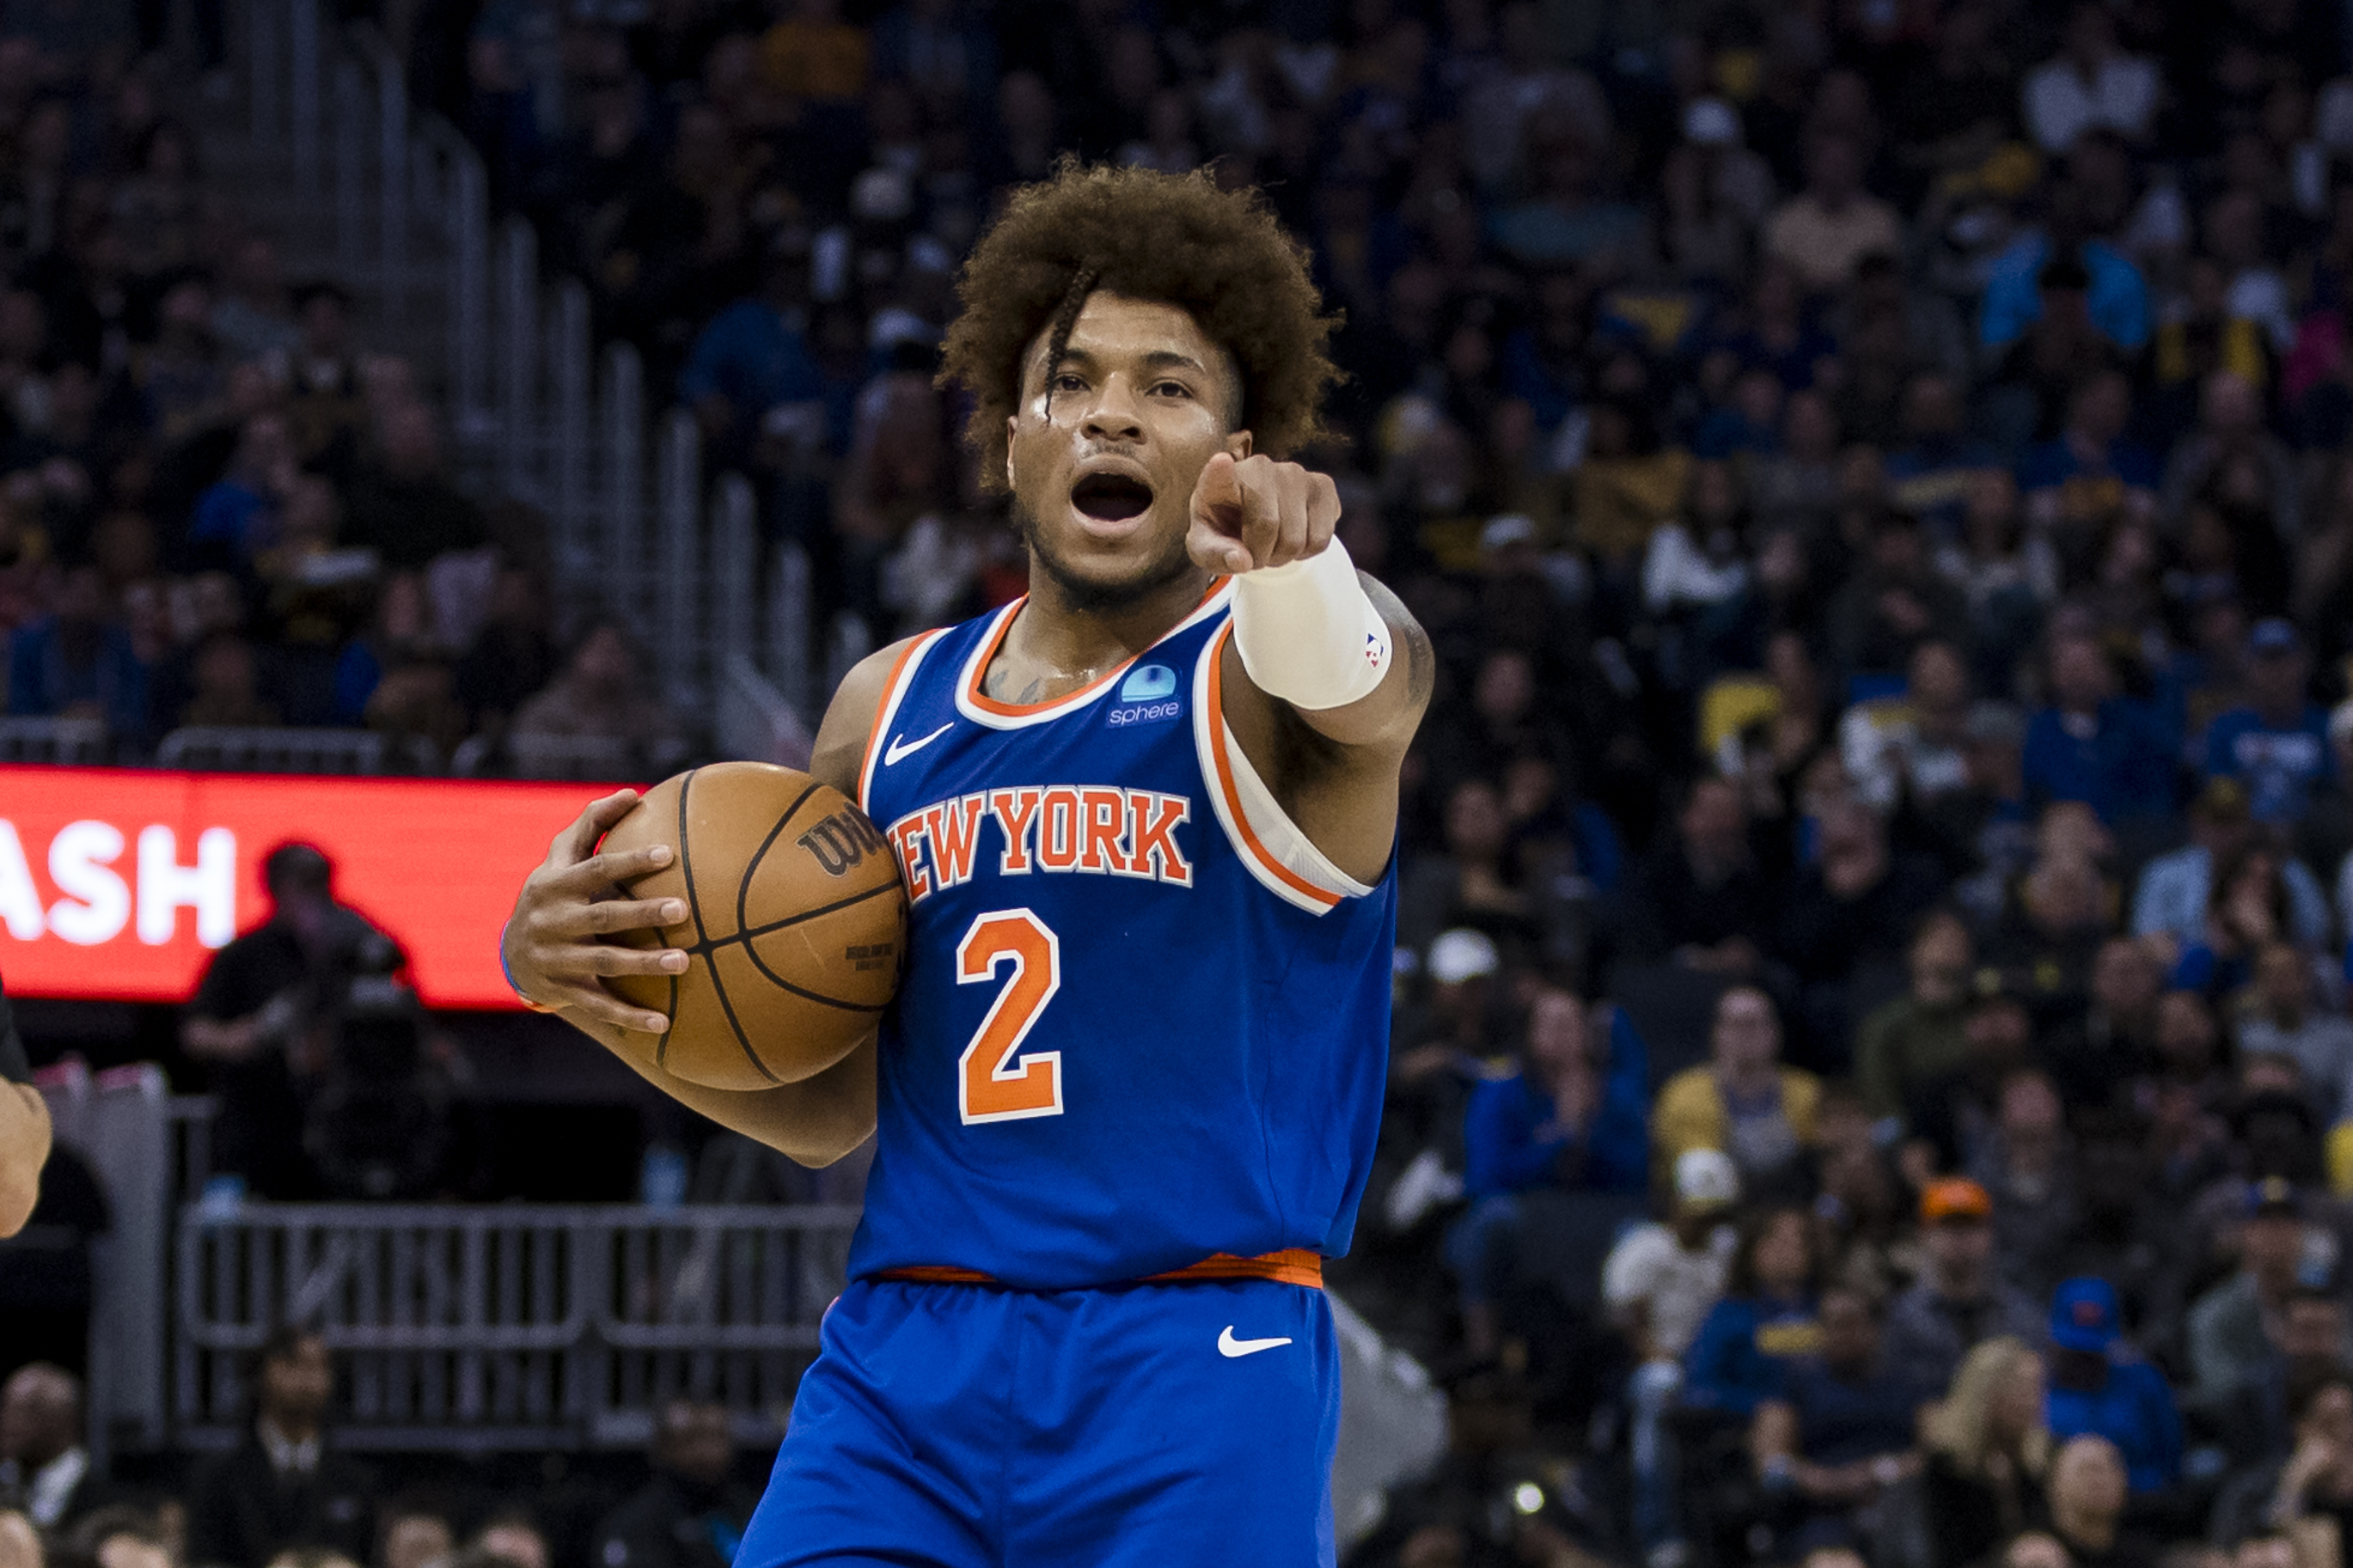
795	923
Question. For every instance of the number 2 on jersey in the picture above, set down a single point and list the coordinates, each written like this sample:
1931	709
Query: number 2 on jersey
995	1082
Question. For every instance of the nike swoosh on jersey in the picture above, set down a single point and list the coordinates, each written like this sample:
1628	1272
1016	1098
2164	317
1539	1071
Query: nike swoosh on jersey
900	746
1230	1346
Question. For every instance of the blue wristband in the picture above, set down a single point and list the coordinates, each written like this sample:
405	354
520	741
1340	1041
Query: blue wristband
534	1007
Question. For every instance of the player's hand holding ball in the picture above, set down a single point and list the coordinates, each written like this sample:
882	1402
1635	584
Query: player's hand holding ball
746	917
554	946
1256	512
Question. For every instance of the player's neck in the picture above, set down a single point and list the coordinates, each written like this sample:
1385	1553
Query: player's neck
1056	629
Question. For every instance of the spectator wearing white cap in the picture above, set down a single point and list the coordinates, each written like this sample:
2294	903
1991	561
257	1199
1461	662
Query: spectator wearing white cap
1454	1028
1660	1282
1443	1040
1662	1278
1715	192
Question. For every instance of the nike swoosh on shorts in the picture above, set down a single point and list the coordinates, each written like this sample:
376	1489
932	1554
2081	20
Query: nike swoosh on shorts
1229	1347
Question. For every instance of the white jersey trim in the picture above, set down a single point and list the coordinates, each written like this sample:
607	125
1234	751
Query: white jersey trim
901	680
975	666
1265	839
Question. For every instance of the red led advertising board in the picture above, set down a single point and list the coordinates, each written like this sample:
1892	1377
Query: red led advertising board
117	883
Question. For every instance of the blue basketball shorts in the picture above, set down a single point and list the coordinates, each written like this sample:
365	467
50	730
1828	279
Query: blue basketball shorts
1151	1426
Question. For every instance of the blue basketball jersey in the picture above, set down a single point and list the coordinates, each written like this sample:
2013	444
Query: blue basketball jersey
1144	1022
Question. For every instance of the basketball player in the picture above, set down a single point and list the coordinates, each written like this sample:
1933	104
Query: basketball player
1126	1098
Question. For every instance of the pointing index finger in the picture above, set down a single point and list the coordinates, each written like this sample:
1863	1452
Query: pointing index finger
1262	529
1216	488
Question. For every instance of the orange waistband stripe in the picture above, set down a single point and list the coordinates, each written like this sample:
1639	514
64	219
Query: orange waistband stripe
937	1274
1294	1265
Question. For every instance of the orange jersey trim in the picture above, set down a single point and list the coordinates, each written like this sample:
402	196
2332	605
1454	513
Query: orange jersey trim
1294	1266
987	704
1222	737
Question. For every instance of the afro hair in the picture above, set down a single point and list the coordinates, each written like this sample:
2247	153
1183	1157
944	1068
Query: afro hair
1174	238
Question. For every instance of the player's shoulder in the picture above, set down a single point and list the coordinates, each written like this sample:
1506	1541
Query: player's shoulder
870	678
841	739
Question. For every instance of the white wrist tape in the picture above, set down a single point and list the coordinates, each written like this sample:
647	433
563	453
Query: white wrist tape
1307	633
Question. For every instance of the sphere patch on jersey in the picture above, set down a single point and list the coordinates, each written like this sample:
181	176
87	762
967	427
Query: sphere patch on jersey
1147	696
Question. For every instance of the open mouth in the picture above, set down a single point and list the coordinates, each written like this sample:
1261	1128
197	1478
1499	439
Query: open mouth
1111	498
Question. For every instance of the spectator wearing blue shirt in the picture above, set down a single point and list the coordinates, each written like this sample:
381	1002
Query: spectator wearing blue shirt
1843	1430
2276	743
236	518
2116	294
2092	745
77	664
2090	471
1543	364
1931	474
2098	1386
1568	1120
753	357
1765	1322
1779	335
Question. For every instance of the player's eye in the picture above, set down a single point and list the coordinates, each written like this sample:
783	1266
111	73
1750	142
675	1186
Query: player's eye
1067	382
1172	389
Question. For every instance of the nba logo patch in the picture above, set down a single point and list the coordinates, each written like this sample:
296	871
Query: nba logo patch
1148	694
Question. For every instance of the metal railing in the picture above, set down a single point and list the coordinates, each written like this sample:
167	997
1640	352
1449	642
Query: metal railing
480	1327
507	1326
396	202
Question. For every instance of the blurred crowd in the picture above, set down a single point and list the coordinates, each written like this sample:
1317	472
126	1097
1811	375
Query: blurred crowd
1872	1080
1870	1063
284	1496
216	507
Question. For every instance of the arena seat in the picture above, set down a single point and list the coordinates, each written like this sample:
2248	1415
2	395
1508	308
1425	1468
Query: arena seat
260	751
1670	1007
68	742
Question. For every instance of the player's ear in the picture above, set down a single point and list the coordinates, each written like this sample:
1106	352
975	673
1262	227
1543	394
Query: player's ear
1237	445
1012	428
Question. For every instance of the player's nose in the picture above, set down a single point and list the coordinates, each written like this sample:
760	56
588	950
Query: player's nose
1113	416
